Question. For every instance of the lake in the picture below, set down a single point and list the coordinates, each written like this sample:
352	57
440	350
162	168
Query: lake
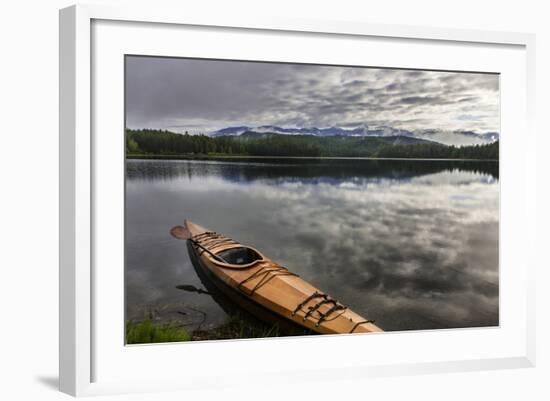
412	244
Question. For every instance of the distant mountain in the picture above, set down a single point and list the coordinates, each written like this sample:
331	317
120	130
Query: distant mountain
491	136
362	139
230	131
331	131
457	138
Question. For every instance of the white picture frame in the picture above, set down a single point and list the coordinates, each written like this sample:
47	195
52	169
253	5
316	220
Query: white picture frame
84	159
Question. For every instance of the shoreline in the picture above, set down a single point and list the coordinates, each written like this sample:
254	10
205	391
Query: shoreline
244	157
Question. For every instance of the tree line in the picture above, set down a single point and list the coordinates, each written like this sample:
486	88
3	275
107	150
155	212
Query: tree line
430	151
166	143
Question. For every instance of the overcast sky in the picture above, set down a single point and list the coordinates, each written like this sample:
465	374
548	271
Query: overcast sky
205	95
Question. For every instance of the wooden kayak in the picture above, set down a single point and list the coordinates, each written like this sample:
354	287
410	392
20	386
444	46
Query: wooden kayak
266	289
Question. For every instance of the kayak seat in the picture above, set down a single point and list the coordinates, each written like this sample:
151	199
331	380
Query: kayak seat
239	256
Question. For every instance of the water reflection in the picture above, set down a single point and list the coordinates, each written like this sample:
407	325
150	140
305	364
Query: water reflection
412	244
310	170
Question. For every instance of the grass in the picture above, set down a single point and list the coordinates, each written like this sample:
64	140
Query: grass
148	332
243	326
237	326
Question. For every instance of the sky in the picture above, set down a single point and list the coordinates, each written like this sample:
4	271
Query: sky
201	96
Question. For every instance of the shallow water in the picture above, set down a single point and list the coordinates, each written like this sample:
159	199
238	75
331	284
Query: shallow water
411	244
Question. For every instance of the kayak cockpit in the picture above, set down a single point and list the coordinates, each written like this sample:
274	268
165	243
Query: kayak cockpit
221	250
240	256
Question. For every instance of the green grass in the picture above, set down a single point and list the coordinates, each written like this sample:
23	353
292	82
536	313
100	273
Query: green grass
251	329
148	332
237	326
243	326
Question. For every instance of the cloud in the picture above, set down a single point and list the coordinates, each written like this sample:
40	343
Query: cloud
203	95
421	100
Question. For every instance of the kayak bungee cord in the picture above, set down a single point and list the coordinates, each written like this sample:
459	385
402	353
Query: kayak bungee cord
316	307
265	273
213	239
218	258
316	294
360	323
325	299
334	308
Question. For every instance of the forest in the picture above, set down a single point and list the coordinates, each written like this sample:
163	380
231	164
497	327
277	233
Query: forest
165	143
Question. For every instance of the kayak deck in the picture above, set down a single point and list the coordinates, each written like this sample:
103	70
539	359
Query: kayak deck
272	286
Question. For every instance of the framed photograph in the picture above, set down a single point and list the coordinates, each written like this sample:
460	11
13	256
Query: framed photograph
343	199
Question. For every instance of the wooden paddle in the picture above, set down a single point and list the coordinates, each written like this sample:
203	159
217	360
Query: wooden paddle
180	232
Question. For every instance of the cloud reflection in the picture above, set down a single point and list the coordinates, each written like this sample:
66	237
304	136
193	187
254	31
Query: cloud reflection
411	251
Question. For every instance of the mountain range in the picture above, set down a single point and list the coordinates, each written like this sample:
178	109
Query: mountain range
446	137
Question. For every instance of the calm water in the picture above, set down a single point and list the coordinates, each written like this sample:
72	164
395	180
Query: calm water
411	244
